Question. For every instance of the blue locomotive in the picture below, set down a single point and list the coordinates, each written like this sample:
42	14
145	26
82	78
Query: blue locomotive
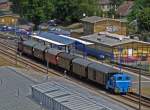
112	79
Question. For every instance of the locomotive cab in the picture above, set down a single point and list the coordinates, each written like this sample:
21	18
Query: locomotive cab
119	83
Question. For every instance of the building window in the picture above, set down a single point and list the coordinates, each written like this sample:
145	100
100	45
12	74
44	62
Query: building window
3	20
13	20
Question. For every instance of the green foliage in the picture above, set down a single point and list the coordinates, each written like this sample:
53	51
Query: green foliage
67	10
144	19
141	12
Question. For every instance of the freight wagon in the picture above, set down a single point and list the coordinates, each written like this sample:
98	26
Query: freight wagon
39	51
51	55
65	60
28	47
79	66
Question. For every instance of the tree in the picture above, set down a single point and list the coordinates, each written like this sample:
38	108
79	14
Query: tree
69	11
141	13
144	19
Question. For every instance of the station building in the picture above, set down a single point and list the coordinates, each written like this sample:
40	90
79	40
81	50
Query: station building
116	46
8	18
96	24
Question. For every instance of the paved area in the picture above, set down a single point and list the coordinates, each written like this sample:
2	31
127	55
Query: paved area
15	91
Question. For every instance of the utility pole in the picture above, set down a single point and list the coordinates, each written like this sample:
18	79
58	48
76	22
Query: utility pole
47	67
140	87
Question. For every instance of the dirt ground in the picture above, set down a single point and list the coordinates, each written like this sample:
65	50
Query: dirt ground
146	91
6	62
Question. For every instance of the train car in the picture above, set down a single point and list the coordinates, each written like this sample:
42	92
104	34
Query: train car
79	66
39	51
20	47
28	47
51	55
65	60
109	77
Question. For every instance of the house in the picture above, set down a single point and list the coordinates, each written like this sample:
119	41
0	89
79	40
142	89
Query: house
125	8
8	18
96	24
105	5
5	4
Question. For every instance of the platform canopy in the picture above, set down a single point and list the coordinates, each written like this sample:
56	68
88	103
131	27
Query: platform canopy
53	38
77	40
61	40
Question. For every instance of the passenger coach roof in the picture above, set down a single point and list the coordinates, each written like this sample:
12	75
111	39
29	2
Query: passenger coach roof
67	56
81	61
30	43
102	68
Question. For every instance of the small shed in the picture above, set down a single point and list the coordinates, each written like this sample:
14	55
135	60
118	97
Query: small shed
94	24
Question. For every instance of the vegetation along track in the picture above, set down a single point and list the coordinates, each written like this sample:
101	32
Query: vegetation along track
11	53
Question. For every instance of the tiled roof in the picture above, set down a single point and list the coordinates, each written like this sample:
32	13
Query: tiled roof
110	39
2	1
104	2
125	8
95	19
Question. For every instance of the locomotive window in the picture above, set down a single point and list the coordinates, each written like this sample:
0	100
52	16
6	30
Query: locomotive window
119	78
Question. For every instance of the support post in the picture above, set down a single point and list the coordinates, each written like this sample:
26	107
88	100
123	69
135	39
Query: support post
140	88
47	67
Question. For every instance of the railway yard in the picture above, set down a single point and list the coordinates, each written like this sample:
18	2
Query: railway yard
19	72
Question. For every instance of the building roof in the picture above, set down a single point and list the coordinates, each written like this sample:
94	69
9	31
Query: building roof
104	2
3	1
65	97
7	13
95	19
92	19
125	8
110	39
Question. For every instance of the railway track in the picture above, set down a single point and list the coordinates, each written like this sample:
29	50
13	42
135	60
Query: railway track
135	98
11	53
